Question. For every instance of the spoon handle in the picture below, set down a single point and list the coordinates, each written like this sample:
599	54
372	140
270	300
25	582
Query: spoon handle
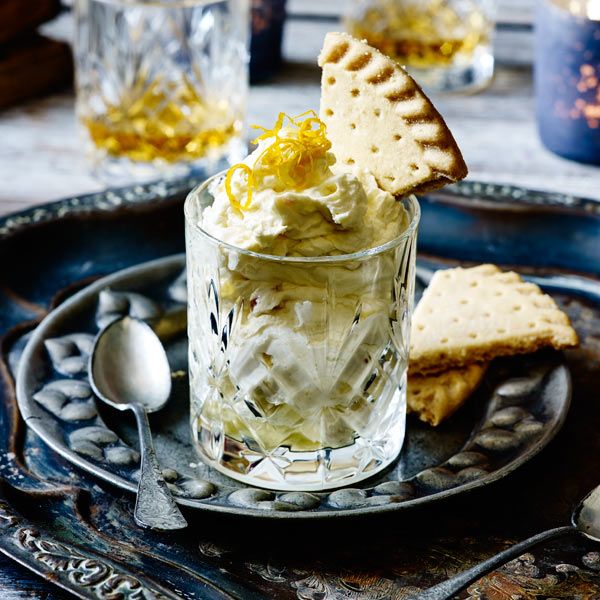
154	506
449	588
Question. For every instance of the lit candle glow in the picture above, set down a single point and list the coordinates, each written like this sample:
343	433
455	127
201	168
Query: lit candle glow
567	77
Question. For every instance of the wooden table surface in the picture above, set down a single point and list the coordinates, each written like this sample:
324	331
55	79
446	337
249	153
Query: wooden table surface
40	149
41	159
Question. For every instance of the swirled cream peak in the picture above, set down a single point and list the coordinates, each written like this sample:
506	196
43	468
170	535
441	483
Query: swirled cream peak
290	198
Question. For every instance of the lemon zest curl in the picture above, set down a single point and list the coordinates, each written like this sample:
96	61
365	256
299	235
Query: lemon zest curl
250	186
290	159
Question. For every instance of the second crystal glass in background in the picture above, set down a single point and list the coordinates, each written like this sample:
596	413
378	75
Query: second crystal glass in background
162	85
445	44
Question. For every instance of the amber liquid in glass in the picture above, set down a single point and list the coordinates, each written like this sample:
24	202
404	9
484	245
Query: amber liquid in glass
424	34
163	120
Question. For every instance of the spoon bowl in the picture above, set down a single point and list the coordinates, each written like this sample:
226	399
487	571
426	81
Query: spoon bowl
586	517
130	366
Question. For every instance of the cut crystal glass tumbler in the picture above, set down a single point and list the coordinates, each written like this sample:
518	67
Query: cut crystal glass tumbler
161	85
298	365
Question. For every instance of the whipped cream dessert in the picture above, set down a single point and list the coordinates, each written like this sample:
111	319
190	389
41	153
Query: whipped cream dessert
338	212
311	349
303	376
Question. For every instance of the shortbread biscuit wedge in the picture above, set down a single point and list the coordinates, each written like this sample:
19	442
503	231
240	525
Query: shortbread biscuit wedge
434	398
379	119
474	315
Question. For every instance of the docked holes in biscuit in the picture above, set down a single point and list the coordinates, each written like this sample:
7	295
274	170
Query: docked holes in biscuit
473	335
374	149
329	112
420	327
337	53
532	325
444	340
360	63
331	80
352	125
381	76
390	178
397	137
501	330
414	167
355	93
400	96
422	118
377	112
516	307
350	161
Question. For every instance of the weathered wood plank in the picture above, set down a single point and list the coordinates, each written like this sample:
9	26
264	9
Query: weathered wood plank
17	583
17	17
33	66
40	153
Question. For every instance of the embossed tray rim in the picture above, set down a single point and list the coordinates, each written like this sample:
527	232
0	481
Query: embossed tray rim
46	325
493	196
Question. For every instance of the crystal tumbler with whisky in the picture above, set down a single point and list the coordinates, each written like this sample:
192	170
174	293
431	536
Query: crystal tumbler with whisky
161	85
445	44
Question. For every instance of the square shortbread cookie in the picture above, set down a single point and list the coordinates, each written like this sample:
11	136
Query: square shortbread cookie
379	119
474	315
433	398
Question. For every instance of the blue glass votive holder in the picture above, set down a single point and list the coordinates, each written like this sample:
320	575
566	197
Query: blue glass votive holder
268	19
567	81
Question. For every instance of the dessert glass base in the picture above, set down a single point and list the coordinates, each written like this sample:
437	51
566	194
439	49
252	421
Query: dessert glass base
298	364
310	470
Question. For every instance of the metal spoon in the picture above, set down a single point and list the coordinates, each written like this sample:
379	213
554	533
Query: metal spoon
585	520
129	370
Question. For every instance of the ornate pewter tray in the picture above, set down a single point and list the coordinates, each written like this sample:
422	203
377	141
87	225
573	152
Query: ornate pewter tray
77	531
517	411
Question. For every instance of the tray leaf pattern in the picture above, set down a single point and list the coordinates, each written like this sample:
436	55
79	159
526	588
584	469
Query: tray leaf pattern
100	443
70	353
69	400
113	305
